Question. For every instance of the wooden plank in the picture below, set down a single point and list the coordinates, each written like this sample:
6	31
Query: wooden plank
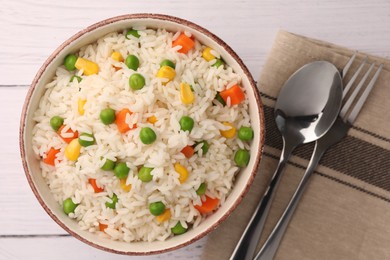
33	29
65	248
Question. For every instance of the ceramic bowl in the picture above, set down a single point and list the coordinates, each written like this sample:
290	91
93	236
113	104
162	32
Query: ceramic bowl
90	35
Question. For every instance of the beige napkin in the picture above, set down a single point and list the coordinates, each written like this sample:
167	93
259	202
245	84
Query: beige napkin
345	211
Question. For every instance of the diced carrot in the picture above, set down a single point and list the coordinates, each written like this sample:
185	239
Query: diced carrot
67	139
102	227
185	42
51	156
120	121
94	186
188	151
235	93
208	205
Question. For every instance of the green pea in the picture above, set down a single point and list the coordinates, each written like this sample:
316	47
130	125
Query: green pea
218	63
132	32
108	165
56	122
168	63
136	81
114	199
241	158
69	206
145	174
132	62
147	135
202	189
156	208
70	62
79	79
220	99
186	123
205	146
86	139
121	170
178	229
107	116
245	133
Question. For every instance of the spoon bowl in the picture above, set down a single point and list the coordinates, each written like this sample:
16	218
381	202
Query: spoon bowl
309	102
307	106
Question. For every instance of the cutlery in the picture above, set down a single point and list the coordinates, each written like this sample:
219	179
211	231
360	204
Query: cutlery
307	106
337	132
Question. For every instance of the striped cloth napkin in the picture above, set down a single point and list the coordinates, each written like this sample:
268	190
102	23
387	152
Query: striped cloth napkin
345	211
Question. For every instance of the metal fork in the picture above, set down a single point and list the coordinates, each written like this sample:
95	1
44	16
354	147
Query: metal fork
337	132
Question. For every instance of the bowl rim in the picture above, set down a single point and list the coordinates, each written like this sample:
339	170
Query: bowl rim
130	17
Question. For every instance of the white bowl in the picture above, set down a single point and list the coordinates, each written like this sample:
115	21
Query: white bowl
89	35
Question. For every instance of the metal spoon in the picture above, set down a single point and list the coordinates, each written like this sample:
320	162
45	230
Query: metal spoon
307	106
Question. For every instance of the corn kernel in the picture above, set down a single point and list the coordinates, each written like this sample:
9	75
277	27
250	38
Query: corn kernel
165	216
186	94
117	56
207	54
229	133
182	171
123	185
152	119
80	106
72	151
89	67
166	72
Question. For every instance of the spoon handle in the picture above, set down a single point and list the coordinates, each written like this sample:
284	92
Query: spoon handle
249	240
270	246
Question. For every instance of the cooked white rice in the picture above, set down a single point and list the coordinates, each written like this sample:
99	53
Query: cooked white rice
131	220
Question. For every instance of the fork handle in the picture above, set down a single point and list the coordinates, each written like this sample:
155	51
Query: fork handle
249	240
271	245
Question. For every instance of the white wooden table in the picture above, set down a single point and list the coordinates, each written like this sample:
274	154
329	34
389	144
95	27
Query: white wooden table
32	29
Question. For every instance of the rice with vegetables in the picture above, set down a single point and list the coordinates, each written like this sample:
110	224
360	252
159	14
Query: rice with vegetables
140	135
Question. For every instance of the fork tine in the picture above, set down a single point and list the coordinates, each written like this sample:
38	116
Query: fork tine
362	99
348	103
348	65
354	77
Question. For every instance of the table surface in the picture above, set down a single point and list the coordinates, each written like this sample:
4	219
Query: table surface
32	29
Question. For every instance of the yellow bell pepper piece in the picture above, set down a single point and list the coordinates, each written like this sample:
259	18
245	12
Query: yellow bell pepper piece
166	72
186	94
206	54
229	133
89	67
165	216
72	151
182	171
152	119
80	105
117	56
123	185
